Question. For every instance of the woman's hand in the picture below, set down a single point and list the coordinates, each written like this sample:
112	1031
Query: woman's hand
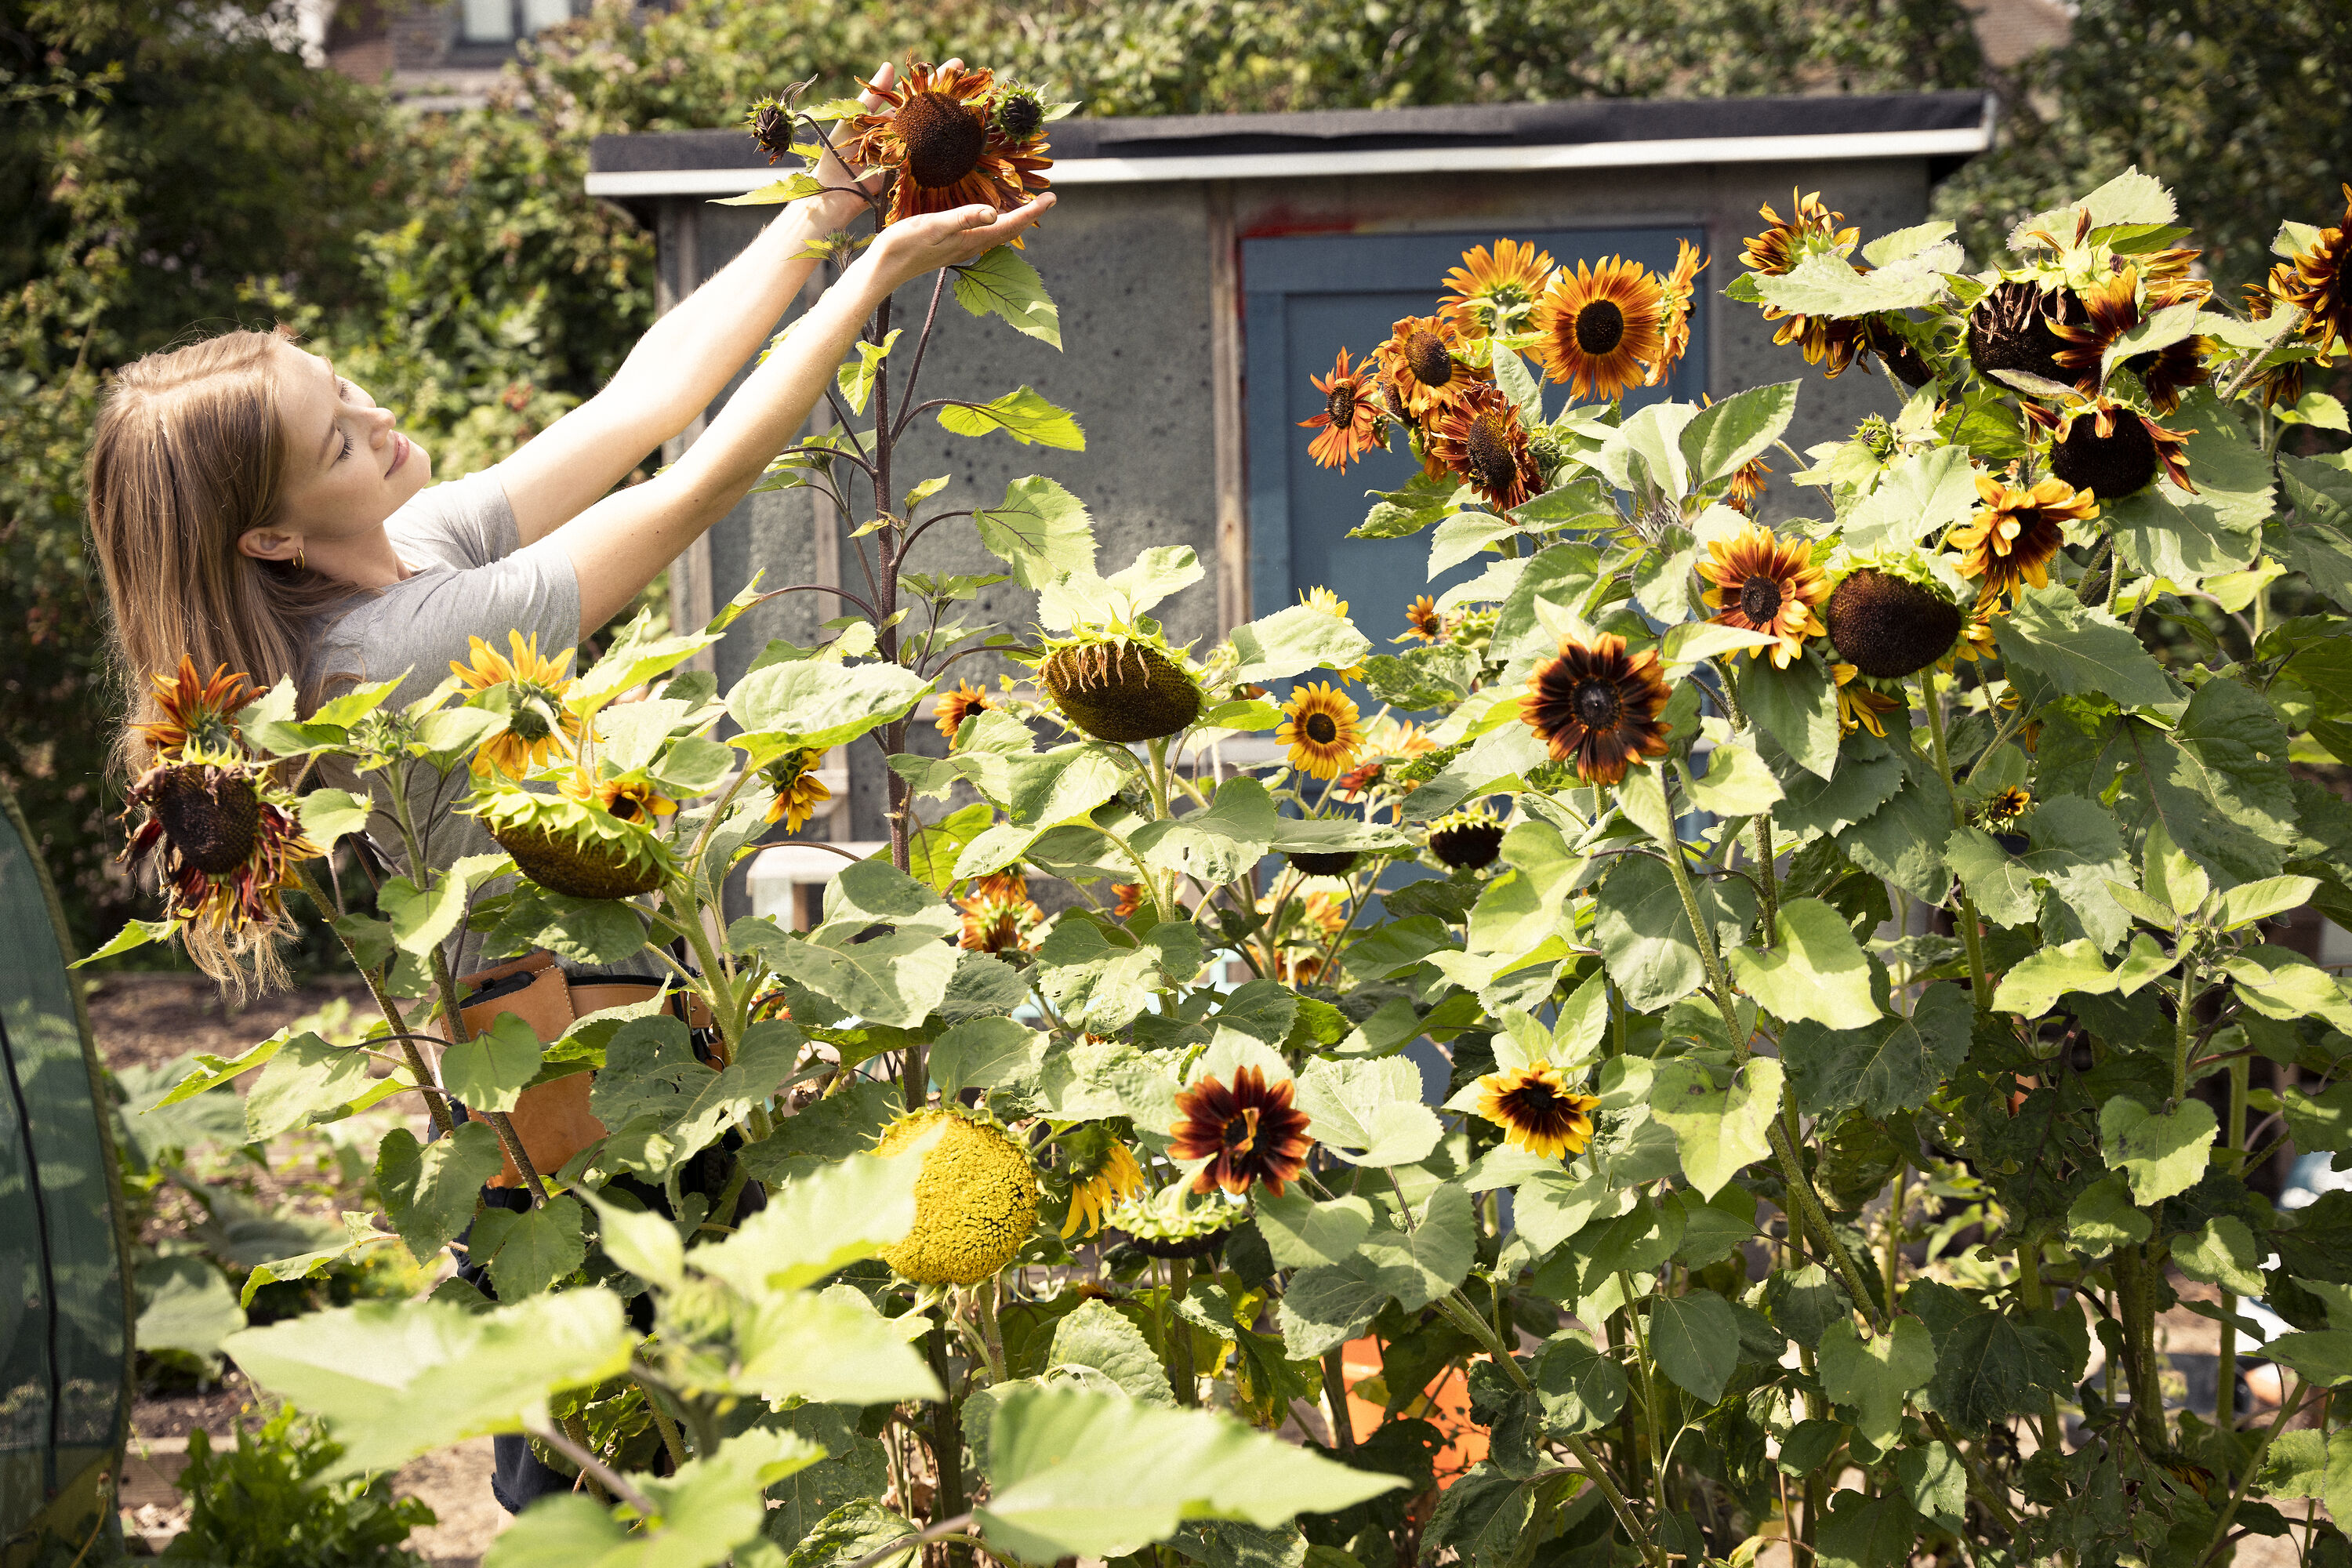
915	245
838	208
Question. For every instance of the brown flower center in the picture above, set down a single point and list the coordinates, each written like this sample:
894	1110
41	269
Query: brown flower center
944	139
1321	728
625	808
1759	600
1341	404
1597	703
1240	1133
1599	326
1536	1107
1492	462
1020	116
215	823
1425	356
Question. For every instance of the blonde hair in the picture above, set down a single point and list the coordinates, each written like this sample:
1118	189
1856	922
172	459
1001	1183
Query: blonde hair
188	454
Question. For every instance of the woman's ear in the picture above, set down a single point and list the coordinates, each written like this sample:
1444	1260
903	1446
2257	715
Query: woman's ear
269	544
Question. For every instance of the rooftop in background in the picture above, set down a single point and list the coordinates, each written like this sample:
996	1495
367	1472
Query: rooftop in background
1596	133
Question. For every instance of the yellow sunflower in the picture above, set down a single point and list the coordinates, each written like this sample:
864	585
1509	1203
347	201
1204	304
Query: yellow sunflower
1976	640
1537	1110
1489	295
1351	422
1764	584
2007	806
1601	326
631	800
1320	728
957	706
1809	228
1681	286
2017	533
538	723
1481	440
1422	622
1113	1177
1419	369
1860	706
936	127
798	789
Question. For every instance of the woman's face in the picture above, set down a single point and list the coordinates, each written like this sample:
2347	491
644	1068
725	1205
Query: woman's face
347	469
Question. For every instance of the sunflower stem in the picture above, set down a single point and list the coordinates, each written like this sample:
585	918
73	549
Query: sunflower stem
500	1123
1971	936
992	1334
428	1084
1771	880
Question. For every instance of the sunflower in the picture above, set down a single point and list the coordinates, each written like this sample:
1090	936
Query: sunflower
1130	898
199	720
935	127
1327	603
1765	584
957	706
1249	1133
1320	728
1976	639
567	841
1490	296
2281	383
2171	278
225	839
1419	369
1599	706
631	799
1747	487
998	915
1120	686
975	1198
1018	114
2007	806
1681	284
2318	278
2110	309
533	688
1466	840
1537	1111
798	789
2108	448
1890	623
1422	622
1810	228
1601	326
1098	1180
2015	327
1481	440
2016	534
1353	422
2167	374
771	125
1861	706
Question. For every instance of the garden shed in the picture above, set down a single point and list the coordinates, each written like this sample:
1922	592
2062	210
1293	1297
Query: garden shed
1205	267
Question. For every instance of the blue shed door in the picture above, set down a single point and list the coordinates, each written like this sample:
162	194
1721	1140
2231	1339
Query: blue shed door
1306	298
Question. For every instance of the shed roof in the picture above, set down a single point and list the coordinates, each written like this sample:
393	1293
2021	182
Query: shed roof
1450	139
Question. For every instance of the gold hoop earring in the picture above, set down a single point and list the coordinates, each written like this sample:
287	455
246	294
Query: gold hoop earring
300	562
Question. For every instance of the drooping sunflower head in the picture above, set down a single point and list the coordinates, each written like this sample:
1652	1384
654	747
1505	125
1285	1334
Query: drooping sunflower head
1100	1173
798	789
2006	807
2318	278
1889	618
1493	294
1810	229
1422	621
936	129
2014	535
1169	1224
566	841
199	715
1601	326
2111	450
1537	1110
1122	686
1320	727
1353	422
1466	840
530	690
1765	583
975	1200
957	706
1483	441
1323	862
1859	705
1747	485
1250	1134
1421	371
2168	373
1597	706
225	840
2014	327
1681	286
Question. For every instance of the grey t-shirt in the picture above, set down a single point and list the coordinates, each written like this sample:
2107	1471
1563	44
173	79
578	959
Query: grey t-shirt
468	578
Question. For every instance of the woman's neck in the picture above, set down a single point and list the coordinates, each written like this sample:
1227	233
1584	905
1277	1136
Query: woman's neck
365	562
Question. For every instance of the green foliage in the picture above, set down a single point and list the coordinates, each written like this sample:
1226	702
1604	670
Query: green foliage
278	1499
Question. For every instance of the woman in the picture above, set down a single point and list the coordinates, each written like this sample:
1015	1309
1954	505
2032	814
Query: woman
252	508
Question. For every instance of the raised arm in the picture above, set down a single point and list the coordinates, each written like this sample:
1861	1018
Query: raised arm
620	543
676	368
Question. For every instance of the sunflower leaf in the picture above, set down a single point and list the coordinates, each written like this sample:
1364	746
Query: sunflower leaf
1019	413
856	376
790	188
1002	284
1719	1131
1042	531
1815	969
1724	438
1370	1107
1295	640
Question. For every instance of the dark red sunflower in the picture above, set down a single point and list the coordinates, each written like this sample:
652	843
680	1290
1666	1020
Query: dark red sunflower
1250	1133
1481	440
1352	421
225	840
1420	371
2112	449
1598	706
936	127
2319	280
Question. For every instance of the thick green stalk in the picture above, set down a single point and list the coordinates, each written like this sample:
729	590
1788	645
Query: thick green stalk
2184	1023
1894	1236
436	1098
1179	1336
1971	935
1766	877
2234	1131
2037	1299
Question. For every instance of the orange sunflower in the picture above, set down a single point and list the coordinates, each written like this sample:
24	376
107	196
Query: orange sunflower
1598	706
1351	420
998	915
1860	706
957	706
1481	440
798	789
1490	295
2319	280
538	721
1422	621
2017	533
1810	229
199	715
1421	371
936	127
1681	286
1764	584
1601	326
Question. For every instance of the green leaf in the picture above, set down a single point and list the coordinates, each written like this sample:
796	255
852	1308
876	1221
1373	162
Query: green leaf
1648	447
359	1234
818	1223
430	1190
2164	1155
1890	1066
133	934
307	1080
2322	1121
1042	531
812	704
1695	1340
856	377
1102	986
208	1072
186	1306
2081	651
1644	936
1797	707
1078	1473
1022	414
2034	984
1371	1108
984	1053
651	1071
2002	887
1866	1532
793	187
1718	1132
1920	497
1293	641
855	1530
1876	1376
2324	1357
643	1243
2103	1217
1990	1366
1218	844
395	1379
713	1505
2243	905
898	978
1723	438
329	815
1001	283
2310	1463
423	918
1737	783
2224	1254
1581	1390
1100	1340
529	1252
1301	1232
1815	969
489	1071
